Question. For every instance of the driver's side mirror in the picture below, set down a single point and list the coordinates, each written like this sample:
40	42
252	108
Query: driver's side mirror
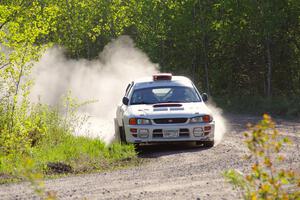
204	97
125	101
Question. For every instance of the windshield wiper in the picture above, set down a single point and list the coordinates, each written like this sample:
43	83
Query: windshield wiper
172	102
179	101
142	102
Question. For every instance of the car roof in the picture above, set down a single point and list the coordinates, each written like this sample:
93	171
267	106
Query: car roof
148	82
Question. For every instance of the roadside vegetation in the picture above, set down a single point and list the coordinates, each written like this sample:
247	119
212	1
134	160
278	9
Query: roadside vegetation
269	177
44	139
231	49
37	138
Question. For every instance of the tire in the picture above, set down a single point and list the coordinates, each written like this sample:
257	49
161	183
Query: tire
119	133
208	144
137	147
122	135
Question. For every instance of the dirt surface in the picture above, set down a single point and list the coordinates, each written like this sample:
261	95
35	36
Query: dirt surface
178	171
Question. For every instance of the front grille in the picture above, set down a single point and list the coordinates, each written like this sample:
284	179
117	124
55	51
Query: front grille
184	132
157	133
170	120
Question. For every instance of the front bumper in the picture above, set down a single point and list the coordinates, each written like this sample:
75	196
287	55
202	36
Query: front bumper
157	133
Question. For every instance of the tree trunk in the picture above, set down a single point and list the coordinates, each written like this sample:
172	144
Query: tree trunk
269	68
203	26
162	55
194	60
16	96
206	63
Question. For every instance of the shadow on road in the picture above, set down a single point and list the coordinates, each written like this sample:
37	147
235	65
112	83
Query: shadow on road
158	150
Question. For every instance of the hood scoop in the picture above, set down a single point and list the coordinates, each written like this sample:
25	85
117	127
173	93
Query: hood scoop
167	105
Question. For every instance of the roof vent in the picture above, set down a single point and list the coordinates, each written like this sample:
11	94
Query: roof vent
162	77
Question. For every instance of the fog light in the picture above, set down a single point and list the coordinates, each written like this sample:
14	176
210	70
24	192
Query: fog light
207	128
143	133
198	132
206	133
133	130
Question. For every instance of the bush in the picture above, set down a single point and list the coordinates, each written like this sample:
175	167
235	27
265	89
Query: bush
44	135
268	179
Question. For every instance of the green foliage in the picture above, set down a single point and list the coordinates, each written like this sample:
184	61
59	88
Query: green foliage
227	47
85	27
22	23
49	139
231	48
33	135
80	153
278	106
268	179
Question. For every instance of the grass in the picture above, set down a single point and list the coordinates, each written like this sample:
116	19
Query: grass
47	147
70	154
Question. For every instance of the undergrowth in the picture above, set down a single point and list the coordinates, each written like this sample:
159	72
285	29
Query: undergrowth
269	177
43	137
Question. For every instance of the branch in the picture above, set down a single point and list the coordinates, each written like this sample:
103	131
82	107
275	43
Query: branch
14	14
296	44
1	26
4	65
16	92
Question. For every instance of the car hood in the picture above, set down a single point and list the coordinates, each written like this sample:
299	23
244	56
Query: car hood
168	110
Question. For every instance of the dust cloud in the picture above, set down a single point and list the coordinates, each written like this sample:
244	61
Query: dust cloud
221	124
103	79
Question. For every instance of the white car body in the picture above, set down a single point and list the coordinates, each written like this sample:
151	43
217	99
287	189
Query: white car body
168	122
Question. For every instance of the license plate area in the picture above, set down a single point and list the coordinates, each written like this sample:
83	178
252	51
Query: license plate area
171	133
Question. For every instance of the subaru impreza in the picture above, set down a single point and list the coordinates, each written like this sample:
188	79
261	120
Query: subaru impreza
164	108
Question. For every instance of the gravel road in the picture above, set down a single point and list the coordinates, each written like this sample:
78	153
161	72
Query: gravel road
178	171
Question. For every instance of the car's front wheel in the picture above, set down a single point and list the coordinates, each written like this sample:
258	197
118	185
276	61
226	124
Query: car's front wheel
119	133
208	144
122	135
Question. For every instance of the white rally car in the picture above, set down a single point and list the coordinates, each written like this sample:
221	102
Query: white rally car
164	108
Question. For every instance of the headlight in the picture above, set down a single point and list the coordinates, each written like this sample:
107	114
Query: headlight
139	121
204	118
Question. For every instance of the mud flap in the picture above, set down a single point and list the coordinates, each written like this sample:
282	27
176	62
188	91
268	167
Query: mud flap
208	144
117	131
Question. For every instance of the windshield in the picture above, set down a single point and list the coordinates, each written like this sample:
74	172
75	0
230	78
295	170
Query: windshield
164	95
